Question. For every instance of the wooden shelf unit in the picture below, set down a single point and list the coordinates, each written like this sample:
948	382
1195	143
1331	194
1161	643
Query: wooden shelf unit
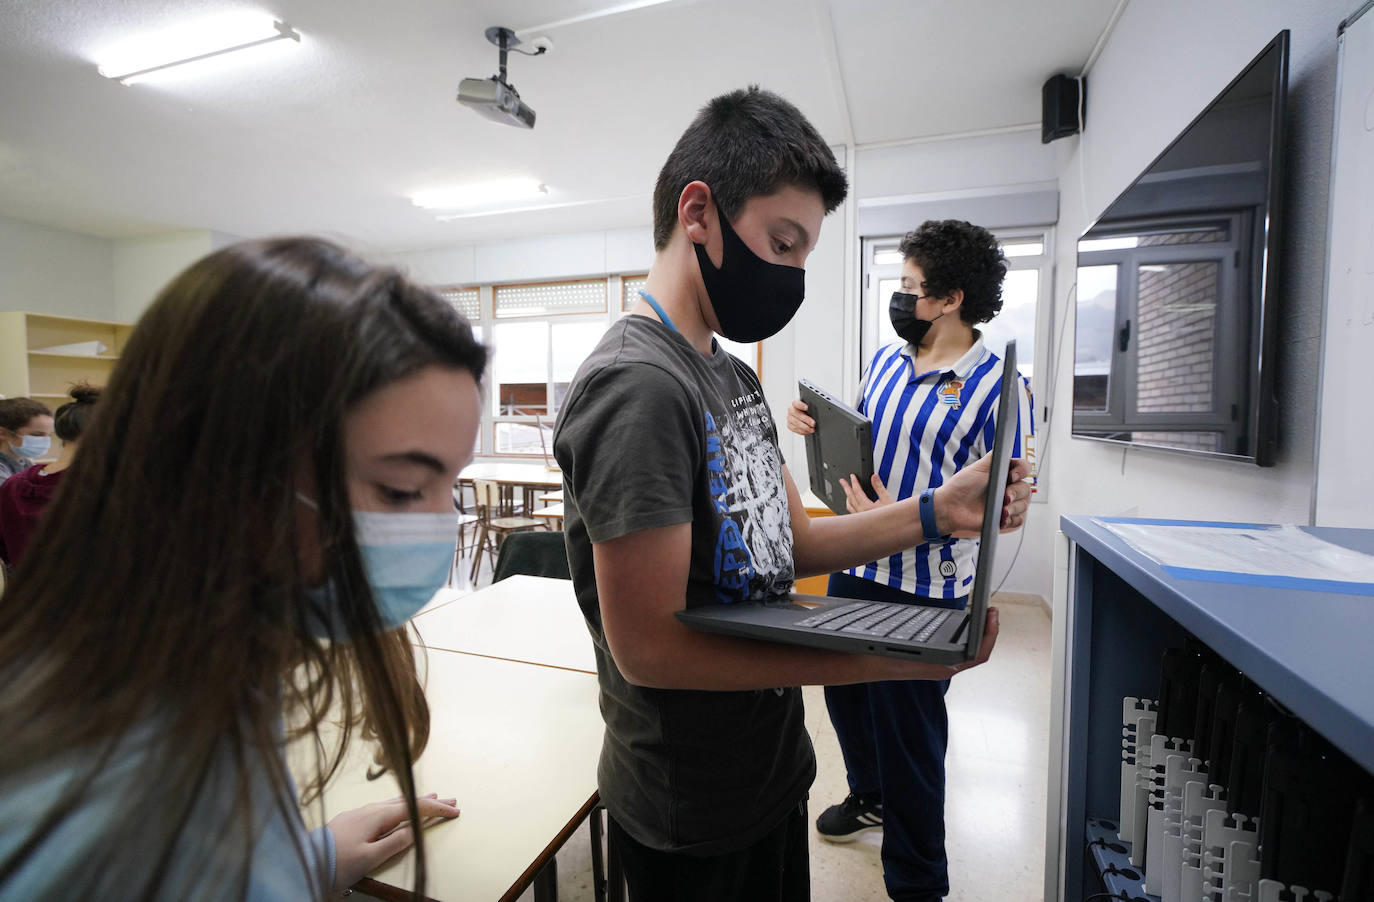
28	370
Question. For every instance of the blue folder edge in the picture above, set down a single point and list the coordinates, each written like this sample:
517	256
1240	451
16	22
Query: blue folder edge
1334	586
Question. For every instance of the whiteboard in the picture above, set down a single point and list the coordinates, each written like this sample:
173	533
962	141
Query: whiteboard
1344	493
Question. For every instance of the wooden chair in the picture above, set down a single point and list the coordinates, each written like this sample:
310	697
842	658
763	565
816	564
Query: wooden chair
495	521
466	522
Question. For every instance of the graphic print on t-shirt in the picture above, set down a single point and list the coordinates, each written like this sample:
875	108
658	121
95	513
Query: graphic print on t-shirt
753	553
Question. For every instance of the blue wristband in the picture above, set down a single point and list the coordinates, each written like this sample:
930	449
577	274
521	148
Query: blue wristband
927	507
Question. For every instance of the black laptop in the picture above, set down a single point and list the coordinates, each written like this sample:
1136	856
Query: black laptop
937	635
841	446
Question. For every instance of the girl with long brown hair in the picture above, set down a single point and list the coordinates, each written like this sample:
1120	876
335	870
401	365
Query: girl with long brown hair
263	500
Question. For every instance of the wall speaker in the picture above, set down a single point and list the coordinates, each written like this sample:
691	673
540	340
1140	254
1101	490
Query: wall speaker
1060	100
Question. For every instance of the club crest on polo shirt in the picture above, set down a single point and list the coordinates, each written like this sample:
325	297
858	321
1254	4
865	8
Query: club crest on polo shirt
949	393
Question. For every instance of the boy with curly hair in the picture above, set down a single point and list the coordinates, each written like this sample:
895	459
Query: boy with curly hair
932	396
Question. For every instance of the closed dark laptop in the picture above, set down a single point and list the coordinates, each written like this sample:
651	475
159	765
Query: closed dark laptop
840	446
934	634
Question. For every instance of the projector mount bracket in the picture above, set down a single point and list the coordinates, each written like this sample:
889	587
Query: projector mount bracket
506	40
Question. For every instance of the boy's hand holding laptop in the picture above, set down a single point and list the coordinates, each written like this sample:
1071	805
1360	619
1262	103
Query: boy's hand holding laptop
966	499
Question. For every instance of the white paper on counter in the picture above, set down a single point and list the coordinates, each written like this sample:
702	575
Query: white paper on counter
1264	551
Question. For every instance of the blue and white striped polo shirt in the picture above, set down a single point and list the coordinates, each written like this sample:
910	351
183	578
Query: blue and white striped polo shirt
926	427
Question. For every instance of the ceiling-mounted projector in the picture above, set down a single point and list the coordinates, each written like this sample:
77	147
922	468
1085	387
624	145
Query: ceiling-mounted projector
495	97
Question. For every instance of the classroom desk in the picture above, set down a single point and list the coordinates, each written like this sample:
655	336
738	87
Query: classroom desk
517	746
530	478
553	514
532	619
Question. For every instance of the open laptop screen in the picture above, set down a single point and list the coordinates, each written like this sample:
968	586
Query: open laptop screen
1007	407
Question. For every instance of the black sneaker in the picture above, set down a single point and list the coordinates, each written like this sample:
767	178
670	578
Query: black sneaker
846	821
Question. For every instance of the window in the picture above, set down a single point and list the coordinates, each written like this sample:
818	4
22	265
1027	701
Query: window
1028	278
541	298
629	290
467	301
539	333
543	333
1160	350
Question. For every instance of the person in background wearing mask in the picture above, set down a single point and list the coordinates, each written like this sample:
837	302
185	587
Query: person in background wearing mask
932	396
25	434
227	567
23	498
676	495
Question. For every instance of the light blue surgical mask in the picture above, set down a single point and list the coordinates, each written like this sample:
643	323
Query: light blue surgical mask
34	446
407	559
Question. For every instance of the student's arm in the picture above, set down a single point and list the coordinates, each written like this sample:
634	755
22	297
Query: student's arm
641	580
827	544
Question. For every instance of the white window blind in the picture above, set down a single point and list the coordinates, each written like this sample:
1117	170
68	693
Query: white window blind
466	301
544	298
629	293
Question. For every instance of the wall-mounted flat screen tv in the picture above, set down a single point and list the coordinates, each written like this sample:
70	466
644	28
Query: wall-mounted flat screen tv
1177	289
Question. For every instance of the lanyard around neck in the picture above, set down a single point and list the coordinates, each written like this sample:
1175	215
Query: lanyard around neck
657	309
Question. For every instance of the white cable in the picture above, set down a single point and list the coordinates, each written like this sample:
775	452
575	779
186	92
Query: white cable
1040	467
1082	152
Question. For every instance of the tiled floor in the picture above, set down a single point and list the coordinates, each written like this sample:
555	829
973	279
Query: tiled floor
995	785
995	813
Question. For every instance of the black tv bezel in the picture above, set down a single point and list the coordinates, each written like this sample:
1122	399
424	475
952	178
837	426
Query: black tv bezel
1263	406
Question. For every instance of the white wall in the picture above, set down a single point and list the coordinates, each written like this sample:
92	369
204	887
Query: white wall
1164	62
45	270
815	344
954	164
142	266
565	256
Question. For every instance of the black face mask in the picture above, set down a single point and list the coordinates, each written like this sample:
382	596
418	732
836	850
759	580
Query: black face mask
753	299
902	311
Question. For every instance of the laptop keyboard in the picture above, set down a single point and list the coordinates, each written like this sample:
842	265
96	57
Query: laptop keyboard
903	622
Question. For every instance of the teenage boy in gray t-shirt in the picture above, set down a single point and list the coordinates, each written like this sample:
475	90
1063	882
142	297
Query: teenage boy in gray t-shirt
676	496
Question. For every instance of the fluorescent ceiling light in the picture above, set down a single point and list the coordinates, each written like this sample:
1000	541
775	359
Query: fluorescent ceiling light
479	193
594	14
194	42
535	208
